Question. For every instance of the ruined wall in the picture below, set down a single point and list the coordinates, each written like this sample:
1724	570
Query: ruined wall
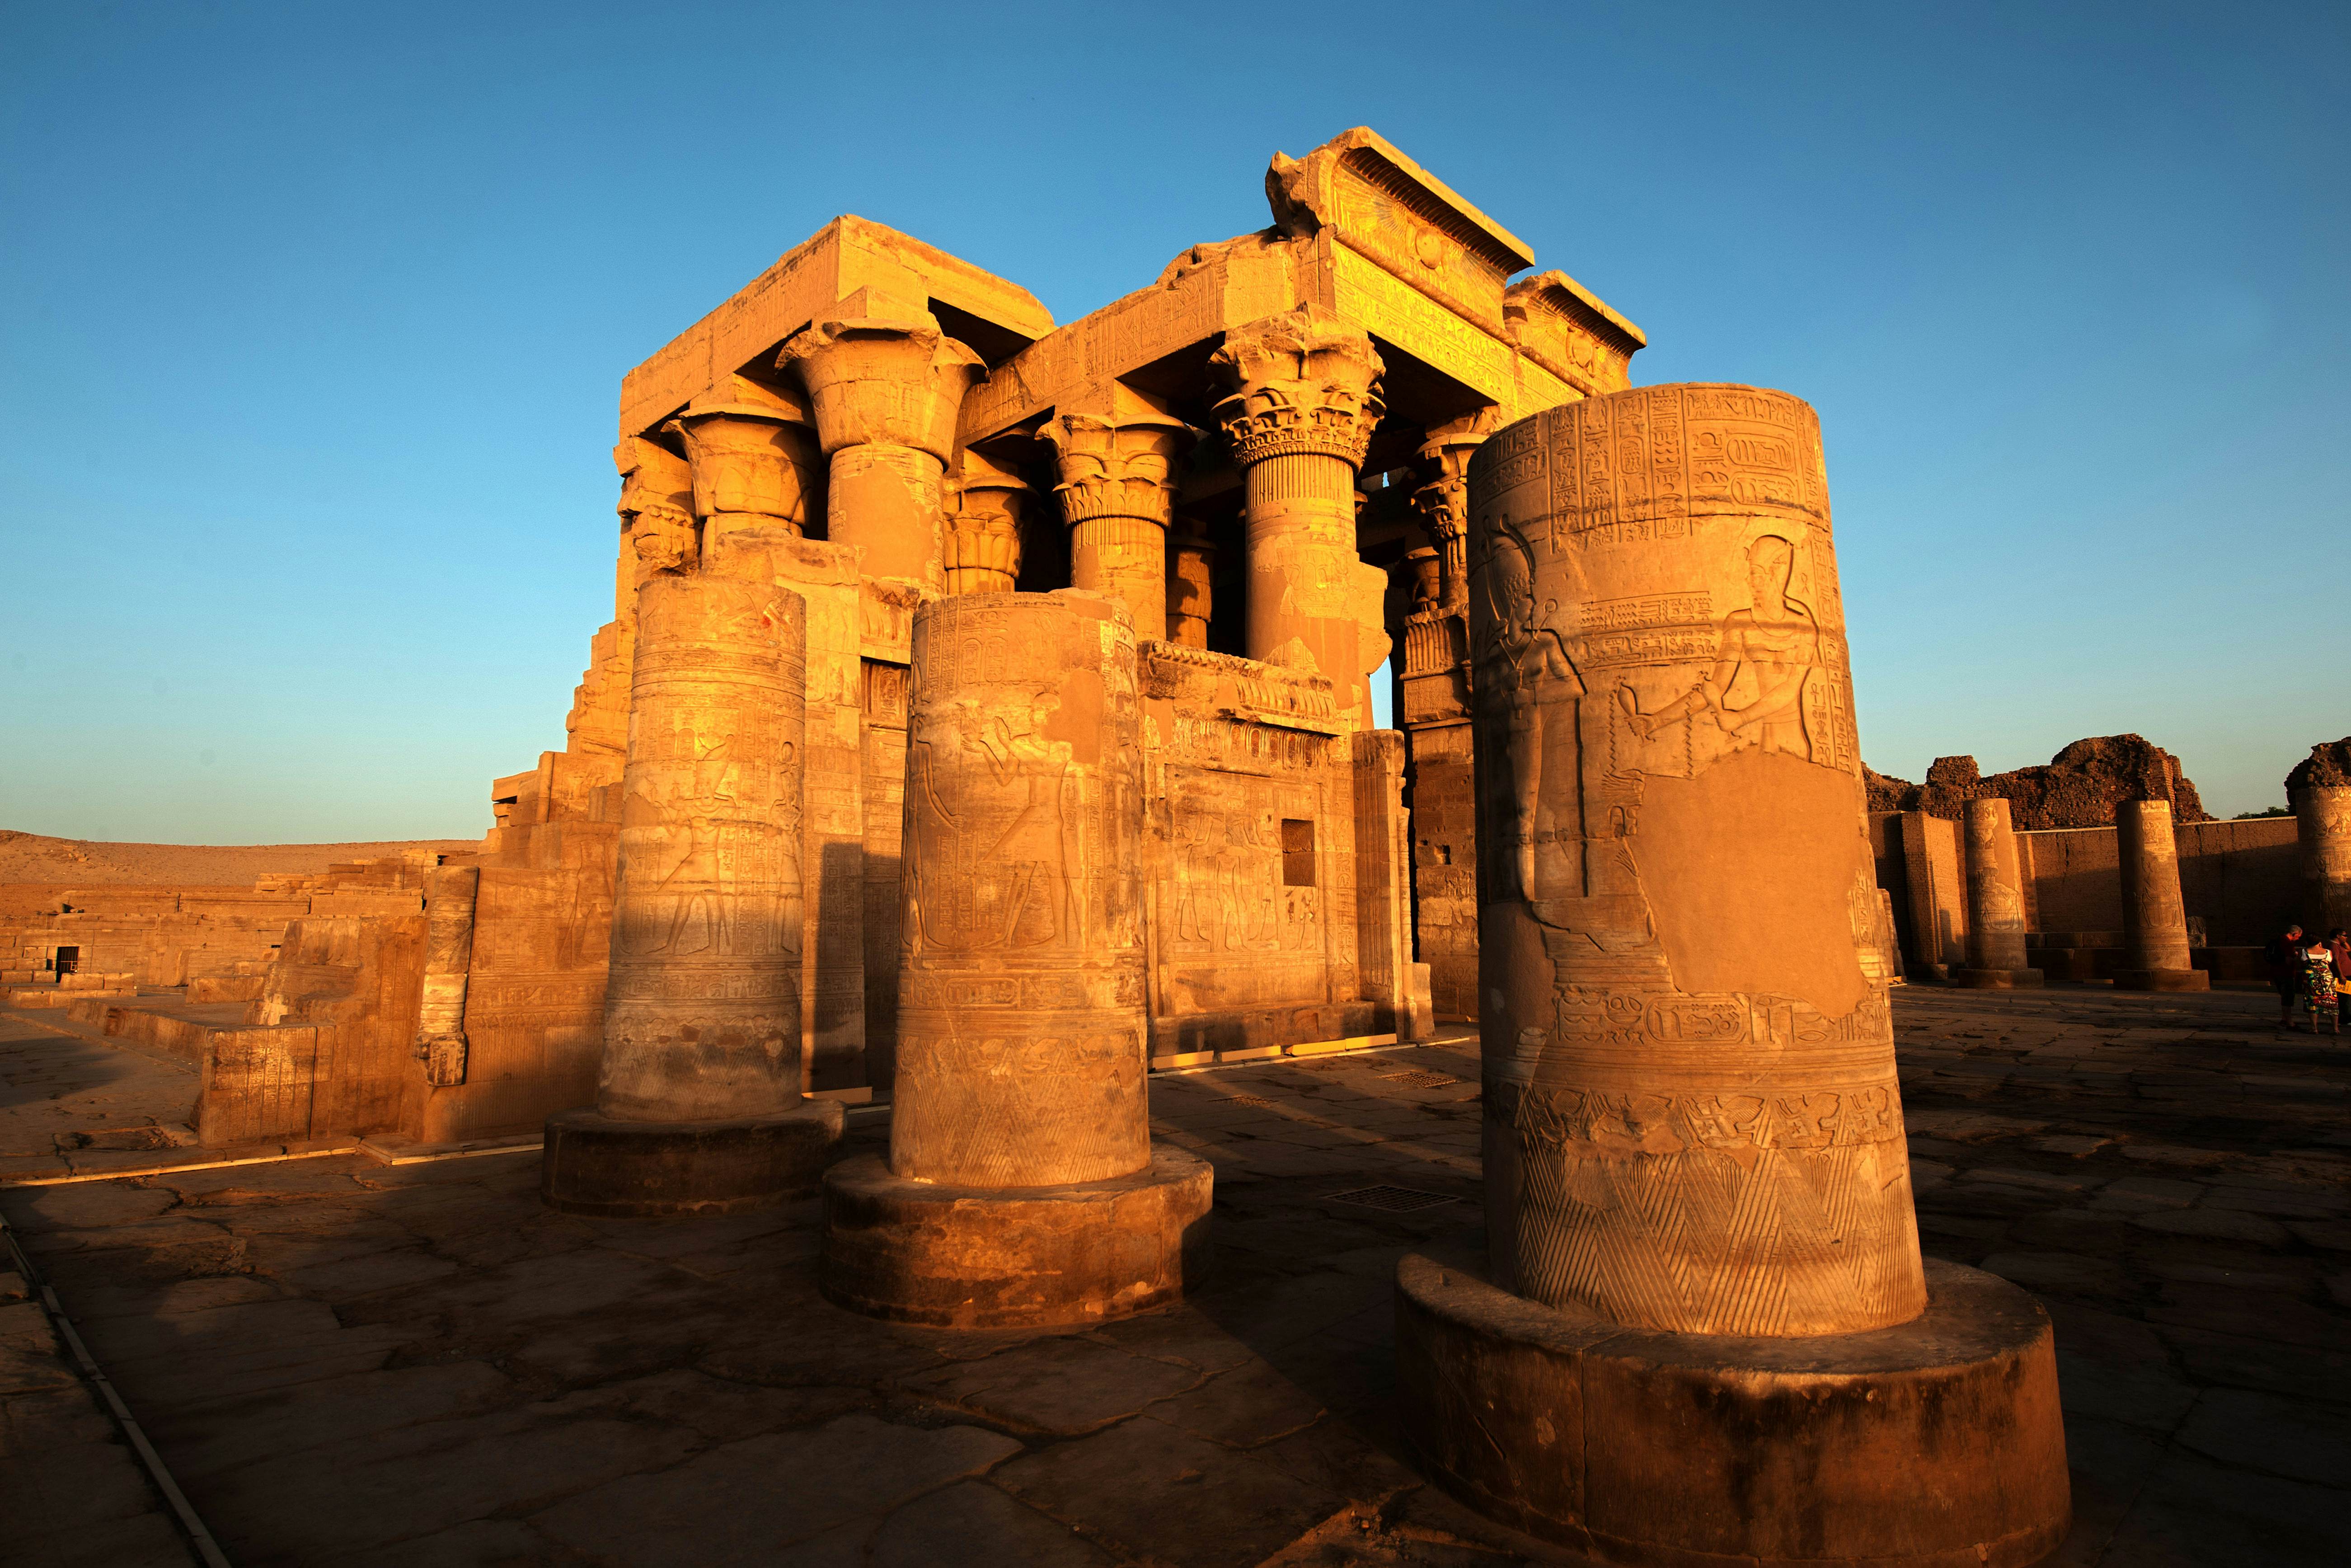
1250	849
2238	877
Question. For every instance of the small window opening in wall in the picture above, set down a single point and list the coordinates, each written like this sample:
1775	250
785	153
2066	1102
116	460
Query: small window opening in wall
1296	852
69	960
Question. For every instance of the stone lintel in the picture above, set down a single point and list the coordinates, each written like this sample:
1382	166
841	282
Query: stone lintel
845	255
1246	690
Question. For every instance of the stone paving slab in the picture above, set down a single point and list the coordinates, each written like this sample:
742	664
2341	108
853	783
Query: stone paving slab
348	1362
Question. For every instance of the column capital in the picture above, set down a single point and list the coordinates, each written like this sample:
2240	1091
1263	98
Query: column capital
984	502
656	505
1113	467
751	454
883	381
1303	381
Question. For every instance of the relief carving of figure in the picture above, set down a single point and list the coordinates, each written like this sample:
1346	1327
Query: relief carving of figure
1526	663
991	869
700	886
1767	654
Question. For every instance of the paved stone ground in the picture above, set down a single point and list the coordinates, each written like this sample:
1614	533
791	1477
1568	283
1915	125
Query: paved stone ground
67	1092
348	1362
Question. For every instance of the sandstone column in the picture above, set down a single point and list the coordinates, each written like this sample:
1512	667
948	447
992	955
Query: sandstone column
1300	418
1444	501
2155	917
1191	587
1995	902
2319	789
698	1105
449	897
983	526
1703	1330
754	464
886	391
1021	1187
1118	494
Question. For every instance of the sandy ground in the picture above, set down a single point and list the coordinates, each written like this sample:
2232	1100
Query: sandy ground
34	858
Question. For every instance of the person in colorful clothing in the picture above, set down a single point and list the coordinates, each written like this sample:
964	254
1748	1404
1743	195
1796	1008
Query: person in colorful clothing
2318	989
2338	942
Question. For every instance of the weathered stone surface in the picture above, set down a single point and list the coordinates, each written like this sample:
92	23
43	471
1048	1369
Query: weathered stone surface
715	1329
1693	1137
1028	1256
599	1165
2319	789
2154	919
1300	418
1652	1447
702	1008
1996	916
1677	915
2079	787
1021	1188
1021	1050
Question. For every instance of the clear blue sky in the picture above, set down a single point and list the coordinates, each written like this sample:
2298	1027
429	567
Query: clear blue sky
316	318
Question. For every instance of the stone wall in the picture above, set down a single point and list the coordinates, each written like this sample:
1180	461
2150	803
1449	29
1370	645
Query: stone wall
2238	877
2239	880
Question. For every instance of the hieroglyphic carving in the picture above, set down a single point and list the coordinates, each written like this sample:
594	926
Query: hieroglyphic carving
1692	1104
1023	919
449	895
702	1009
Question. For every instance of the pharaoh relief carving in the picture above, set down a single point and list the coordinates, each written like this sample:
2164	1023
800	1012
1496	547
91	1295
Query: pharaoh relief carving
1700	1129
992	855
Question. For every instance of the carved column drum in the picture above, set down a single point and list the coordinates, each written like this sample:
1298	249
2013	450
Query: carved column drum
1703	1331
1691	1116
2155	955
1021	1004
1996	922
702	1007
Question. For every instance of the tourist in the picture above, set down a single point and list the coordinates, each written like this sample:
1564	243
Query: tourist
2284	956
2318	988
2338	942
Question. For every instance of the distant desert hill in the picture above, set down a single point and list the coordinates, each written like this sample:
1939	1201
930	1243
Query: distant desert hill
34	858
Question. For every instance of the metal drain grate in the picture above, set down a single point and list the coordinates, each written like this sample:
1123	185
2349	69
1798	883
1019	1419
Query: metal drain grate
1420	1077
1392	1199
1247	1100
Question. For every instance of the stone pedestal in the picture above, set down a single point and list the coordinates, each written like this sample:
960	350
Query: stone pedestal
1995	943
698	1104
1702	1332
1118	494
1021	1187
2154	919
1933	1442
1299	419
886	391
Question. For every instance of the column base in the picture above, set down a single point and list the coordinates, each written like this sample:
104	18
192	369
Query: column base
595	1165
1936	1444
989	1258
2162	980
1996	980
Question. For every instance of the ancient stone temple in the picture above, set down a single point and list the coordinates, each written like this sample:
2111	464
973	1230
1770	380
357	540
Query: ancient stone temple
1262	454
1703	1330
